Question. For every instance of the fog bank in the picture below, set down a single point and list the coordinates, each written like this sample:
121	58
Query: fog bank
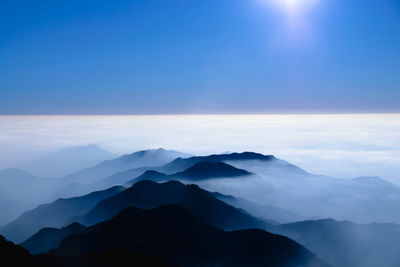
336	145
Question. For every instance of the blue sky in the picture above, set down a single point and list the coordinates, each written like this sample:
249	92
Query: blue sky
209	56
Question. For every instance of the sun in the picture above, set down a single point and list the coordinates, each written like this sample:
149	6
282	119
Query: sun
292	6
291	3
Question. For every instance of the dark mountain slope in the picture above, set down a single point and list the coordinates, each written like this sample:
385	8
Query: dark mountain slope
148	194
173	234
56	214
104	258
14	255
49	238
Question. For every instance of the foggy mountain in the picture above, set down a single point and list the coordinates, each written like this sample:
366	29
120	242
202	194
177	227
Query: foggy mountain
20	191
271	214
251	190
67	160
200	171
179	165
346	244
49	238
145	158
283	185
56	214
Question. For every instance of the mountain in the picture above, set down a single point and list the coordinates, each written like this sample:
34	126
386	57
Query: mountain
103	258
148	194
206	170
56	214
200	171
20	191
172	234
345	244
14	255
278	183
181	164
67	160
145	158
49	238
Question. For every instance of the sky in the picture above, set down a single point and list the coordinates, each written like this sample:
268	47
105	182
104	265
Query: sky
209	56
343	146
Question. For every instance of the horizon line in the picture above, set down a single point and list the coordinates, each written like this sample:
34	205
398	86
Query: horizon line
199	114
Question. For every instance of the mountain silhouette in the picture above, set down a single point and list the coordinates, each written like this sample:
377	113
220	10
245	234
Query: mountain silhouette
206	169
49	238
181	164
172	234
56	214
148	194
103	258
200	171
14	255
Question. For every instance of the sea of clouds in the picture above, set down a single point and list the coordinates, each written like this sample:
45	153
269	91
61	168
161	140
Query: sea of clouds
344	146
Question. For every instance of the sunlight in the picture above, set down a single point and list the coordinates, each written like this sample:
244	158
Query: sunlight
292	6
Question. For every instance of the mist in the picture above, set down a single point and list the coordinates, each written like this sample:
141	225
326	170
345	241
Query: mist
344	146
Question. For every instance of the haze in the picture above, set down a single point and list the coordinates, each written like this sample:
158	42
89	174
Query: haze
338	145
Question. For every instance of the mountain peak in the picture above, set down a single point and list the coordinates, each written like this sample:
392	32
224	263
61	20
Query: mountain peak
208	169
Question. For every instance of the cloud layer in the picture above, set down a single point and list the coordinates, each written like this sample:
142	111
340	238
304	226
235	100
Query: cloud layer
337	145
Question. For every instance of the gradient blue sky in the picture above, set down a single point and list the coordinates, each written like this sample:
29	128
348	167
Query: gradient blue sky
208	56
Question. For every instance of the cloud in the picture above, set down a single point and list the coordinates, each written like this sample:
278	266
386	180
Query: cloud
337	145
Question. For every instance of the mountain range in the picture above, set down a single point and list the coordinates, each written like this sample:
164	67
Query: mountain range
344	222
56	214
148	194
173	234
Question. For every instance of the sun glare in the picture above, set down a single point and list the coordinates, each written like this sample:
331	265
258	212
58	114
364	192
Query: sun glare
292	6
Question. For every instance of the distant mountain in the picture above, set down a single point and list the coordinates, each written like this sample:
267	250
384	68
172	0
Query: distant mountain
181	164
67	160
172	234
49	238
206	170
345	244
20	191
148	194
56	214
278	183
145	158
14	255
200	171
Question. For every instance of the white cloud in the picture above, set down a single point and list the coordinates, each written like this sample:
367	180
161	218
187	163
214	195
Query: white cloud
336	145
